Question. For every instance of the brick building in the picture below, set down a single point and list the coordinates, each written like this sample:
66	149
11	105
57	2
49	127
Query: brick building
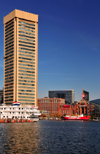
82	107
50	104
58	106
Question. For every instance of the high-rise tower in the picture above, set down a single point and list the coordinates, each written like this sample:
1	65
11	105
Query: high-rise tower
20	57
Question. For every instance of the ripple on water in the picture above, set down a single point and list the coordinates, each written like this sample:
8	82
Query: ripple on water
54	137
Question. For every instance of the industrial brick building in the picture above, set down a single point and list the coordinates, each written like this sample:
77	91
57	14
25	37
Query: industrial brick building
57	105
81	107
50	104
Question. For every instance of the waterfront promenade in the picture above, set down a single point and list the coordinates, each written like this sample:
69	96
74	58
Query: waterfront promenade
50	137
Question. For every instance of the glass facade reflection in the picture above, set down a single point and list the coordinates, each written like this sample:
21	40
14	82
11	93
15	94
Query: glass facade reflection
68	95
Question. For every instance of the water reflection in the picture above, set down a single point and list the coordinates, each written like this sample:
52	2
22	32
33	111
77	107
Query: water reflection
19	138
50	137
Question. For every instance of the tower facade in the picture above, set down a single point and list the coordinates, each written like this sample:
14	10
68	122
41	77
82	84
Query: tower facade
20	57
68	95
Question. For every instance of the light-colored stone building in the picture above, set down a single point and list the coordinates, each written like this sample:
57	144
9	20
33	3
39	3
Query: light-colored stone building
20	57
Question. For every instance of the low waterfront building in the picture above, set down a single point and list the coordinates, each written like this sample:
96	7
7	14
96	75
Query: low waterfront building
50	104
58	106
81	107
95	108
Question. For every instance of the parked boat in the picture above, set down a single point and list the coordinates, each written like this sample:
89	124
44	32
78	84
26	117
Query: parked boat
79	117
18	113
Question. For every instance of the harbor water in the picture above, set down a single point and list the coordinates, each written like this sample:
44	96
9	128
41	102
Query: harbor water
50	137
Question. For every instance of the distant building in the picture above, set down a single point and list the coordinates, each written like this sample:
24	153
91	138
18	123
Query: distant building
95	101
86	95
96	105
57	105
82	107
1	96
68	95
50	104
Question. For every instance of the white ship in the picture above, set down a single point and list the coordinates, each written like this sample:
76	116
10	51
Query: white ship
19	112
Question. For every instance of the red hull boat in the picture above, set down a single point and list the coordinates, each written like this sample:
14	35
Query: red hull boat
79	117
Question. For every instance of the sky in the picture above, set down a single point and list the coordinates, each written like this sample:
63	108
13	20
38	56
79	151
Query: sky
68	44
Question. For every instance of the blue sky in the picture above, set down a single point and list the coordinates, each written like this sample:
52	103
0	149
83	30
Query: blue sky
68	44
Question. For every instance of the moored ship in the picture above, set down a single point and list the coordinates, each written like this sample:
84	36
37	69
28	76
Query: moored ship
78	111
17	113
79	117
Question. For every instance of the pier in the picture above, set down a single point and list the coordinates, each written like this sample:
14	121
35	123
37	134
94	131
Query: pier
16	120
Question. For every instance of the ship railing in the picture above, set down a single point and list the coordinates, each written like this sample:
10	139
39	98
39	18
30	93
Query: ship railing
38	114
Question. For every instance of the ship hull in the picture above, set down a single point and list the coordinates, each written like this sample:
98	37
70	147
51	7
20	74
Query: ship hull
85	118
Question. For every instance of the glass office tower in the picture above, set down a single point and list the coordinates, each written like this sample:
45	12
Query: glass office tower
68	95
20	57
